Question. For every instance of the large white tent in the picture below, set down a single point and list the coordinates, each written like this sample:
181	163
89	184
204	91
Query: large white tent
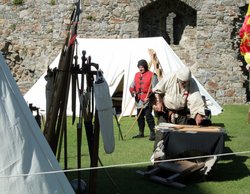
118	59
24	151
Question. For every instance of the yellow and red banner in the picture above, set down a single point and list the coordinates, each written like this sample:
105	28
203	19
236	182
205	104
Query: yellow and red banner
245	37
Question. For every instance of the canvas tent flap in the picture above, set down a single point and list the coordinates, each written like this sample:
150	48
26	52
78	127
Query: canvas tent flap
118	58
24	150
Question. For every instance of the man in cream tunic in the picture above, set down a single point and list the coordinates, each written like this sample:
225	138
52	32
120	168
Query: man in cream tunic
175	94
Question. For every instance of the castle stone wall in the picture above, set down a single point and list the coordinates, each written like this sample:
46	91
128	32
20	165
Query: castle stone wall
32	34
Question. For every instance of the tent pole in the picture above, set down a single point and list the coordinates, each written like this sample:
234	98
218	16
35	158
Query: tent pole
119	126
65	144
121	115
94	156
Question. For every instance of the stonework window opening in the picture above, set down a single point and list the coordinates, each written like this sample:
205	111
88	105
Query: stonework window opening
167	19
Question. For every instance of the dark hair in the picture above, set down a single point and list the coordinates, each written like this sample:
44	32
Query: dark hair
143	63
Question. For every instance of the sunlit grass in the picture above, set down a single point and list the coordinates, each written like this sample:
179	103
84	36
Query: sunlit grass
230	176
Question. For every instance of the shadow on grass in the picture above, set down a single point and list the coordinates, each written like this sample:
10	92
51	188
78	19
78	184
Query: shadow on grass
230	168
127	181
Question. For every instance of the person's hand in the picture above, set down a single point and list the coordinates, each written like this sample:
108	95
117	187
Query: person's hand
198	119
158	107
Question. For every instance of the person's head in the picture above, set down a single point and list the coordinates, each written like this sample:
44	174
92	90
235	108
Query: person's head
142	65
184	76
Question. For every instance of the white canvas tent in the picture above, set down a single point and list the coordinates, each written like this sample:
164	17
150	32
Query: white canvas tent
24	150
118	59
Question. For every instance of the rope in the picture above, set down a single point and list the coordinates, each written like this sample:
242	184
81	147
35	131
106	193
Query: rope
122	165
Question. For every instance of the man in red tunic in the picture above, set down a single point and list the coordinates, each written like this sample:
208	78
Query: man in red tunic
141	89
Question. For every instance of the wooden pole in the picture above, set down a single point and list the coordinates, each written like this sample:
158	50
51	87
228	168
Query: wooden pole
140	111
157	65
131	127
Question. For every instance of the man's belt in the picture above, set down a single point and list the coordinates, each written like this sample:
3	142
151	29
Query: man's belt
174	114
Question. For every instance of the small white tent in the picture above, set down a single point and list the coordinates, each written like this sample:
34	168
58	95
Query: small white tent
118	59
24	150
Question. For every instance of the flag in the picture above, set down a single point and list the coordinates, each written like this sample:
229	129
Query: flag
245	36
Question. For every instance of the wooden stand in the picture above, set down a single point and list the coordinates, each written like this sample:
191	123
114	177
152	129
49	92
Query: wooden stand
169	173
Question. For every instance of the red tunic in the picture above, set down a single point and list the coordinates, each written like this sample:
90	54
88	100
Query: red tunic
142	84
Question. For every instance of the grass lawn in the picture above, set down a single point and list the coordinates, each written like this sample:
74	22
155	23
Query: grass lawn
230	176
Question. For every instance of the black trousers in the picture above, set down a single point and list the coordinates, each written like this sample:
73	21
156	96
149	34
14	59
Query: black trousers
146	113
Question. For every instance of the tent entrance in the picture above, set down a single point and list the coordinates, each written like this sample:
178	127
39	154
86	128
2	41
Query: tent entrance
117	96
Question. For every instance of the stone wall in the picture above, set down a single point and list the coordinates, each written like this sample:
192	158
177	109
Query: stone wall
32	34
217	65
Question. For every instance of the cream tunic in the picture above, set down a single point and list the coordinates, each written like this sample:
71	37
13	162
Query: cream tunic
174	98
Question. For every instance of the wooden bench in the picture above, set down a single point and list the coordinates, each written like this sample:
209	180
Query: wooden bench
169	173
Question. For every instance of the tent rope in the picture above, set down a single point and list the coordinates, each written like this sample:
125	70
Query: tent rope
123	165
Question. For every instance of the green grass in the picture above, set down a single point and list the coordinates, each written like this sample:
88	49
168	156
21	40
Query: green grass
230	176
